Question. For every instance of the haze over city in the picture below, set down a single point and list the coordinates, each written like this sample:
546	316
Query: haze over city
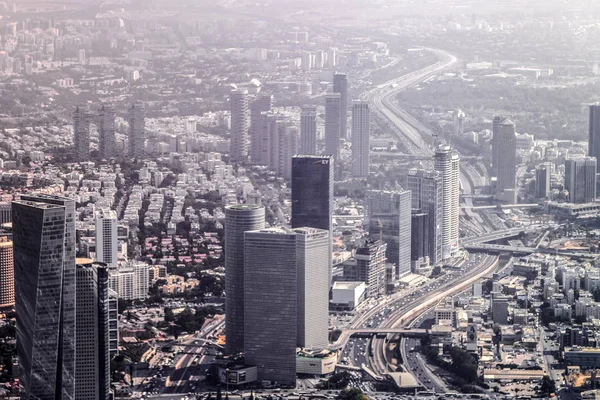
299	200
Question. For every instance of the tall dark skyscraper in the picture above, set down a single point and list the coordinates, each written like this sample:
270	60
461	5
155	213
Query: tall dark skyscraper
594	133
81	133
45	286
106	132
312	194
340	85
137	130
580	179
505	153
239	218
92	366
262	104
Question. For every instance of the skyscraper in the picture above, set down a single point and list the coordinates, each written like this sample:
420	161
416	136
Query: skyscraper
543	177
308	130
388	214
368	265
332	125
292	310
106	237
113	322
107	147
447	164
288	147
580	179
420	247
239	218
92	365
427	197
312	194
505	147
44	258
594	132
7	275
360	139
340	85
5	212
262	104
238	147
137	130
81	133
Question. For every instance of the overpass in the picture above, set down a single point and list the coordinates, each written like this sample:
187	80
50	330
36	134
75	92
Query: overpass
505	206
523	250
492	236
341	342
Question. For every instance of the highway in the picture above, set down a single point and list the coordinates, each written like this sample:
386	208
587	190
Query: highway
481	266
411	134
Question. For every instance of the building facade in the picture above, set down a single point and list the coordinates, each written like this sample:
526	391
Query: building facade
45	286
137	130
427	197
388	217
238	220
271	310
262	103
106	237
447	165
308	130
312	195
368	265
107	147
81	133
340	85
7	274
332	125
580	179
240	123
505	149
92	366
594	132
361	130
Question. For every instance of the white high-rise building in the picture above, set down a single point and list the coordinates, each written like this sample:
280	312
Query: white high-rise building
360	139
308	130
240	123
447	163
131	281
106	237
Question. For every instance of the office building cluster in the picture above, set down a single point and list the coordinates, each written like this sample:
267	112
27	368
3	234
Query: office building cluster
282	298
103	123
63	338
263	135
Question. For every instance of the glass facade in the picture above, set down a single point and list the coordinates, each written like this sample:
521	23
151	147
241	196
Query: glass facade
44	258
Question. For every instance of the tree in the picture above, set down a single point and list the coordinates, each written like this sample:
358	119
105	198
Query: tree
547	386
352	394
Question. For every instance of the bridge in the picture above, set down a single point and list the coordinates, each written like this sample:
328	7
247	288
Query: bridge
505	206
492	236
523	250
341	342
